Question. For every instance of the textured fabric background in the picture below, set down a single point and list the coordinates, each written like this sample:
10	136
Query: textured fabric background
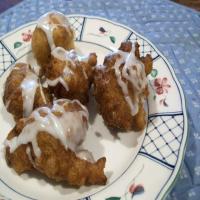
5	4
174	29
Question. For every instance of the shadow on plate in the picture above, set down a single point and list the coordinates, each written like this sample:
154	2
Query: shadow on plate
62	187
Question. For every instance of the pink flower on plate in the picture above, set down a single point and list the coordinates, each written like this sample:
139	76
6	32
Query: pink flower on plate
26	37
132	188
136	189
161	85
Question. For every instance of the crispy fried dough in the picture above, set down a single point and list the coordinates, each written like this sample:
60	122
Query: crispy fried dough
109	96
13	99
78	80
55	161
59	30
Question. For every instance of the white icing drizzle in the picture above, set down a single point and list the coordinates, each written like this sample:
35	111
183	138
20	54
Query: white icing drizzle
42	94
8	103
74	56
134	72
67	71
85	74
57	107
28	152
61	54
56	81
67	57
85	155
48	29
47	24
70	56
29	86
69	128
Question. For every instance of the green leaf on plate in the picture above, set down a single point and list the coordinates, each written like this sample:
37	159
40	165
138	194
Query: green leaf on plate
113	198
154	73
112	39
17	45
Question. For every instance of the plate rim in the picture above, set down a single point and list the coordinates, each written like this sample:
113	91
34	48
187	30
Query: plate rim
182	149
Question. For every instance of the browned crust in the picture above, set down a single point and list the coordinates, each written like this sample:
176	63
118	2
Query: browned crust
110	99
77	83
55	161
62	36
13	92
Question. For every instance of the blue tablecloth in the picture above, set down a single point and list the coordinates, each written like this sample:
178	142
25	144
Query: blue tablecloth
174	29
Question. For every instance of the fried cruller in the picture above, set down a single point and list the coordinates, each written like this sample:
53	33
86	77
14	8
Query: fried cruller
23	92
69	75
120	87
49	141
52	30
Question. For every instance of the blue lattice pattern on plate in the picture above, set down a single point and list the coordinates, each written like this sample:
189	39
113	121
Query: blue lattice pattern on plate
145	47
5	59
77	24
163	138
87	198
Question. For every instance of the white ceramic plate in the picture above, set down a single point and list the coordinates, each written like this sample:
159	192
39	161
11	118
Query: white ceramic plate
139	165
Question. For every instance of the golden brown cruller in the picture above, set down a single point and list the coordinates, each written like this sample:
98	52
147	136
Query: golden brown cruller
48	151
70	75
120	87
23	92
52	30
